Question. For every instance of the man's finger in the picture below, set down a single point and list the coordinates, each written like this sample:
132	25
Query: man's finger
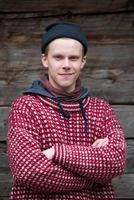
100	142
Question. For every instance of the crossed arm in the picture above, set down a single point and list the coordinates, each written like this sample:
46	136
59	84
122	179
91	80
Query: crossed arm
47	171
100	162
49	153
29	167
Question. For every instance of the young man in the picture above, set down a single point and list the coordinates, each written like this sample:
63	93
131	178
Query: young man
62	142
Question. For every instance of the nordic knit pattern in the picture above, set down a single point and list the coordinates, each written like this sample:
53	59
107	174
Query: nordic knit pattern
78	170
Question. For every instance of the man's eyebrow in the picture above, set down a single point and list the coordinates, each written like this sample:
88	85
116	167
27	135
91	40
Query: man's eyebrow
57	54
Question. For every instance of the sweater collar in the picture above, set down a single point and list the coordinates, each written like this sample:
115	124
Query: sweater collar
38	88
62	95
78	99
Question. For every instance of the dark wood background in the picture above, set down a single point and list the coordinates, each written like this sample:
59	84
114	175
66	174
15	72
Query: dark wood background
109	72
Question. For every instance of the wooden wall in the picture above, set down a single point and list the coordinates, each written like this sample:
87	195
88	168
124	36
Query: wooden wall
109	72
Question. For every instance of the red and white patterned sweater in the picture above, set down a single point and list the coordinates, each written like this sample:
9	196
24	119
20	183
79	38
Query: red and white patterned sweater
78	170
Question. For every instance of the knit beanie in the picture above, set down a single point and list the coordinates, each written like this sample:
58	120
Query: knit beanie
63	29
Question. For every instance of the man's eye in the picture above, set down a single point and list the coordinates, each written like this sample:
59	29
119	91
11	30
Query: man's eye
74	58
58	57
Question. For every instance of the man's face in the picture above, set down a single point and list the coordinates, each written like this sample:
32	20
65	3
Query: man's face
64	61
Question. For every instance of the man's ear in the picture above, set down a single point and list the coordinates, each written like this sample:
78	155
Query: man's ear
44	60
84	60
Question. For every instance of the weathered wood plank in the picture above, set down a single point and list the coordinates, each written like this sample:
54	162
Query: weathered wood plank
130	157
4	198
58	7
5	184
20	43
121	185
124	113
113	56
3	122
115	85
124	186
4	165
110	84
108	28
15	57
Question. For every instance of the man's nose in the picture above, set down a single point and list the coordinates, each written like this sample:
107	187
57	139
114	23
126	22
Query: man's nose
66	64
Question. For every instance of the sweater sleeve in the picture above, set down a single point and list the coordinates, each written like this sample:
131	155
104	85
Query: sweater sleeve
99	164
29	166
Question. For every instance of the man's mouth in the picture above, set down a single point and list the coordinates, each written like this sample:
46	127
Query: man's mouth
69	74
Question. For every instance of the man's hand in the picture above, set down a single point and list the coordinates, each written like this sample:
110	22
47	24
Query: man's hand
49	153
100	142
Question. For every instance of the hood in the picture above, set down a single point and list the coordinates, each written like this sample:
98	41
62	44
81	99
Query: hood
38	88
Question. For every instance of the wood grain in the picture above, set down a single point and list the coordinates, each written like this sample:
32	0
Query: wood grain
60	7
107	28
116	85
124	186
16	57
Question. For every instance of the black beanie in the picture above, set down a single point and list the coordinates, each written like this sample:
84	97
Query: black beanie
63	29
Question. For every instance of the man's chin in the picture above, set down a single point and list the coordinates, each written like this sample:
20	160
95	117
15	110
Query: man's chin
66	88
